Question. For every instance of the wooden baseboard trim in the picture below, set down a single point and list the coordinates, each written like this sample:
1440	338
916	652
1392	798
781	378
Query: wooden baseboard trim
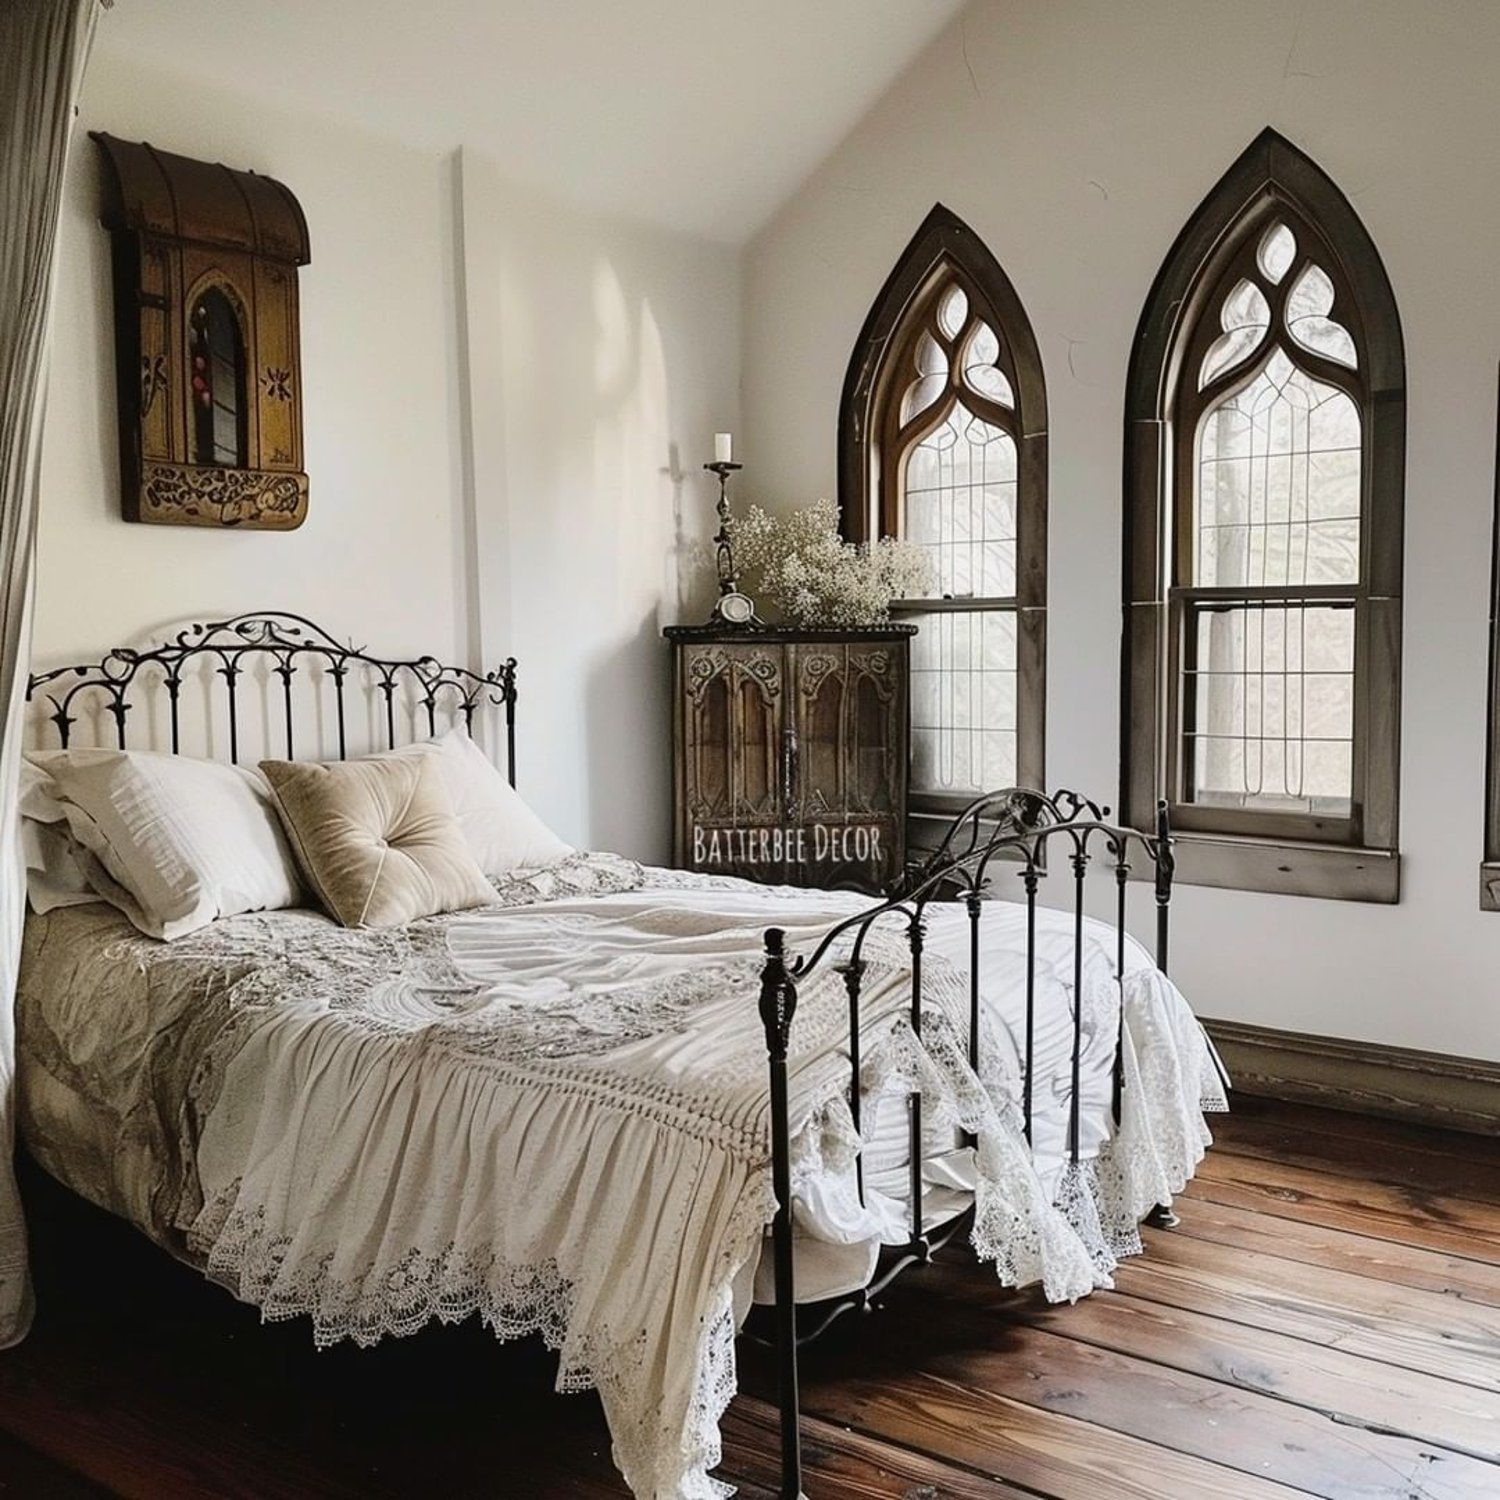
1430	1088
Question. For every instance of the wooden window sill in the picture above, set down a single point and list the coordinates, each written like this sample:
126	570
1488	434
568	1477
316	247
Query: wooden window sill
1336	872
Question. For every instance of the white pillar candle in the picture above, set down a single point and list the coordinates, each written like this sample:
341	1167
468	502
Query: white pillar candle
723	447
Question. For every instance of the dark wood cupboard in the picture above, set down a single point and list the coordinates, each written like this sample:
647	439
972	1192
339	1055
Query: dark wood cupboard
791	753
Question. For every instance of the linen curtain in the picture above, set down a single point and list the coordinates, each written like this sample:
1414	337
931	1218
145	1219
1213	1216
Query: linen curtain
44	47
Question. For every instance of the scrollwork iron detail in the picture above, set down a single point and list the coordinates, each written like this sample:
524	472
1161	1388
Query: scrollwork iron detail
289	642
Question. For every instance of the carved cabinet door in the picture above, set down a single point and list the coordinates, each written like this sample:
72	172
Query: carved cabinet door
849	759
732	702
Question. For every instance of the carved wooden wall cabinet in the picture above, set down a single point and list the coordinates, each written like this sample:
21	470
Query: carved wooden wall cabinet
207	344
791	753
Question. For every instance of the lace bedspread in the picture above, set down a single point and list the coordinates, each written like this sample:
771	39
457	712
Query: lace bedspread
553	1113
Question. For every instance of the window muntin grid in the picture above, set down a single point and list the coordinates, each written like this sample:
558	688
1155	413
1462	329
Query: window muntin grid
1269	708
1274	513
956	480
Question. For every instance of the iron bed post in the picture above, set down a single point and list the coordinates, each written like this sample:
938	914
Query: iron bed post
1029	877
972	902
1162	1216
778	1004
1122	879
508	677
1080	872
915	934
1166	866
853	975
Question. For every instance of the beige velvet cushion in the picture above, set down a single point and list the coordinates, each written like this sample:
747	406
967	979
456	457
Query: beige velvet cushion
377	839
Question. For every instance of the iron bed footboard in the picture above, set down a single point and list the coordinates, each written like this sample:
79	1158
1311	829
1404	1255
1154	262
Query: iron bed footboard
1016	827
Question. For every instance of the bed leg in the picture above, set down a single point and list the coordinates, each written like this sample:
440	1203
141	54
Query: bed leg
1162	1217
778	1004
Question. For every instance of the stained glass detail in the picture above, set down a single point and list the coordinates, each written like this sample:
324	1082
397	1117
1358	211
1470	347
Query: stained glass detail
1270	719
1278	495
963	700
1307	307
1276	252
1245	318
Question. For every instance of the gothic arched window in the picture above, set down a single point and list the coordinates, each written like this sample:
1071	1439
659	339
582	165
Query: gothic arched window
942	441
1264	464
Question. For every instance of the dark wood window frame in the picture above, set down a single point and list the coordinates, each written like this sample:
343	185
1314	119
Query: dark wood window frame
1302	854
872	441
1489	869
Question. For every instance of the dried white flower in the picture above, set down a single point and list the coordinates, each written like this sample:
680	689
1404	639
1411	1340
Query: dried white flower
813	576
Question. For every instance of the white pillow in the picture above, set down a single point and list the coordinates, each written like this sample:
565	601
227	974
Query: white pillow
180	841
58	868
502	833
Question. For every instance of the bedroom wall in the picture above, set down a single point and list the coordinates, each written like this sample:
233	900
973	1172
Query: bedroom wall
601	356
379	557
1076	139
604	358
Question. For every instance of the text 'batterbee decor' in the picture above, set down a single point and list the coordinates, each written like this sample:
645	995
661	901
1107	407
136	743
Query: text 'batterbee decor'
207	342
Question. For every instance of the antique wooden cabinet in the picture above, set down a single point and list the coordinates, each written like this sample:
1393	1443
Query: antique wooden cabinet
791	753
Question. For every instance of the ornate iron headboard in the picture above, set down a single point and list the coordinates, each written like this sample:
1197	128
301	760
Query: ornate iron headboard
284	643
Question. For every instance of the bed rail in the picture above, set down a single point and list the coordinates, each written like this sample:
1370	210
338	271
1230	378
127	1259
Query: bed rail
1014	830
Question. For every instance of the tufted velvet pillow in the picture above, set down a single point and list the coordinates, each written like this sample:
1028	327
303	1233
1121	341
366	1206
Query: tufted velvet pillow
377	839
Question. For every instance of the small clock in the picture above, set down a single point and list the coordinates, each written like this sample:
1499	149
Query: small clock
735	608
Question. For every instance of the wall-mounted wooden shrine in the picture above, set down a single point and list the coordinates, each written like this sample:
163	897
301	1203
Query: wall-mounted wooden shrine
207	345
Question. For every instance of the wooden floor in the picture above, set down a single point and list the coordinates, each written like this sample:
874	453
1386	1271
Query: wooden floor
1325	1321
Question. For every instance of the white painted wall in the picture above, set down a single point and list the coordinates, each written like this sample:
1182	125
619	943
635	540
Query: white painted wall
602	357
698	114
1076	138
379	556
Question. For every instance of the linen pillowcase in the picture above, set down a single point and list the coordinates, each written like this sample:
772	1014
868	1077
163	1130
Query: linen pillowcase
59	870
173	842
502	832
377	838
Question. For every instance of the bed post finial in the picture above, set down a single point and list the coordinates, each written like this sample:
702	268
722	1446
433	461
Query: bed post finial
1166	867
778	1004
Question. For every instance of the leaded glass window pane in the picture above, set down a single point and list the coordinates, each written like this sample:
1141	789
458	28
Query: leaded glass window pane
1307	307
950	483
1270	707
1278	471
960	493
1245	318
963	700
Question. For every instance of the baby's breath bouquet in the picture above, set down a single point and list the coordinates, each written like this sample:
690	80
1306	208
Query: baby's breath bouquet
800	563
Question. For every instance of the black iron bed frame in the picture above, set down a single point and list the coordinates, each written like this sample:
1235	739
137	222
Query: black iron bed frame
284	644
1011	830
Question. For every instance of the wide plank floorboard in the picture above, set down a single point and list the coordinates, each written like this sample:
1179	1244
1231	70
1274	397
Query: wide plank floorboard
1373	1150
1342	1250
1409	1216
1325	1321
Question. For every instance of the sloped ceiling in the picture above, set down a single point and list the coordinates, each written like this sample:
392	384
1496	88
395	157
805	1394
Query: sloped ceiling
700	115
